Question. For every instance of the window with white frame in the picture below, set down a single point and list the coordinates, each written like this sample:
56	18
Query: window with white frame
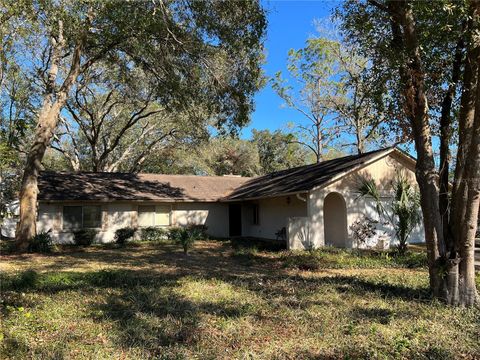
82	217
151	215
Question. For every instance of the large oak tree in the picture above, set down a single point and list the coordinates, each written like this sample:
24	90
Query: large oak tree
181	45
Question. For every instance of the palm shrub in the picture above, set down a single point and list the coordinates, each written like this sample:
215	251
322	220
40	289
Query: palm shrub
405	207
186	236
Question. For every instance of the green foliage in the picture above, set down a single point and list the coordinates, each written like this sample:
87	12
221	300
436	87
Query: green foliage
404	210
123	235
174	233
257	245
84	237
204	72
331	85
279	151
439	24
9	176
153	234
41	243
186	236
228	156
28	279
264	153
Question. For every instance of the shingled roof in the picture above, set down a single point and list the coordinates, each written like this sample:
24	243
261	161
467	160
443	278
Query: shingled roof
99	186
91	186
301	179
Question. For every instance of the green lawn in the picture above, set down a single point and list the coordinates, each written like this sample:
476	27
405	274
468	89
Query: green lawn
224	302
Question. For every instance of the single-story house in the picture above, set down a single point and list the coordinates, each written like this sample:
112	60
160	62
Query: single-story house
307	206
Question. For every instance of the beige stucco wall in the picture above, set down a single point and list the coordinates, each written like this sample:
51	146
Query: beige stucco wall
212	215
117	215
273	215
383	171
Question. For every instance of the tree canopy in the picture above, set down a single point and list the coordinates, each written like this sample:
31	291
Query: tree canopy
192	53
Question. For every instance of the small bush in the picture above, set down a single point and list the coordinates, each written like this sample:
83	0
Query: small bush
41	243
153	234
124	234
84	237
26	280
186	236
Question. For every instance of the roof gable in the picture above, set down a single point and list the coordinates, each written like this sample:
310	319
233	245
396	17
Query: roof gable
303	178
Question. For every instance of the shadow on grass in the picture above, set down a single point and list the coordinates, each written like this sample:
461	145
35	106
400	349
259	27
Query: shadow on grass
378	315
272	284
258	244
148	313
143	305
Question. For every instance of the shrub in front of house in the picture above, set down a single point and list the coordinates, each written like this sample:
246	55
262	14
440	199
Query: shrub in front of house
41	243
186	236
152	233
123	235
84	237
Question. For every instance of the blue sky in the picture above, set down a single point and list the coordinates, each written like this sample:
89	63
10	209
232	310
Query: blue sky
290	24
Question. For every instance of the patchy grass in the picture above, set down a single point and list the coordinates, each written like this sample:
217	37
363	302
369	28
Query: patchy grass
224	301
331	258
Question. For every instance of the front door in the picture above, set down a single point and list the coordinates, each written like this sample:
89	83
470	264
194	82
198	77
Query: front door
235	219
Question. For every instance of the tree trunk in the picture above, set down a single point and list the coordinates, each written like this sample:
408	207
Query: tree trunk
471	192
47	122
26	228
445	139
360	140
412	75
466	187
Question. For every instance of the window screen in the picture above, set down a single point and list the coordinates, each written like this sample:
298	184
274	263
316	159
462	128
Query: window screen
146	215
72	217
92	216
78	217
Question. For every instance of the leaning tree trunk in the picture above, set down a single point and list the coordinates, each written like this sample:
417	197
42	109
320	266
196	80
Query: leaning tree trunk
47	121
53	102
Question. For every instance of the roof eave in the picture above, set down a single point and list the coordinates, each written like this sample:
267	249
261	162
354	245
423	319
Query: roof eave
265	197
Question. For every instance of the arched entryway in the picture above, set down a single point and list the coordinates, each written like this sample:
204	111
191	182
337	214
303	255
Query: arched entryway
335	220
